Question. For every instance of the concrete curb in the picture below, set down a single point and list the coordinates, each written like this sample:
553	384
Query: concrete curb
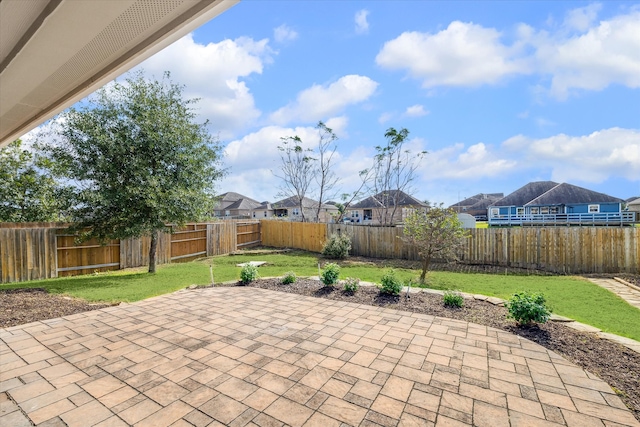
624	282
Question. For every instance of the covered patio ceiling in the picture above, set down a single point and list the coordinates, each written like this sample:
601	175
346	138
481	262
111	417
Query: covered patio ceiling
55	52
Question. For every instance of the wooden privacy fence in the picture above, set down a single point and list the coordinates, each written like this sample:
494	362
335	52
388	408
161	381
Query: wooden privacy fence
566	250
48	251
287	234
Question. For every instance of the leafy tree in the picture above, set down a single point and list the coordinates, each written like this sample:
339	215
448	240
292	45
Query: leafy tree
28	192
137	160
436	233
393	169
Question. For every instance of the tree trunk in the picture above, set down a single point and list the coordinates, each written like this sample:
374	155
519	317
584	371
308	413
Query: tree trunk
425	268
152	251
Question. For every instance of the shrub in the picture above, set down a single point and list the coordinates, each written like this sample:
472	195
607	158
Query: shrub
337	246
526	307
249	273
390	283
453	299
289	278
351	284
330	274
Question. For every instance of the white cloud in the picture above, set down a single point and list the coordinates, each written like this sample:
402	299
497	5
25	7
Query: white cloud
213	73
385	117
320	101
464	54
477	161
613	152
362	25
284	33
582	18
580	54
416	111
606	54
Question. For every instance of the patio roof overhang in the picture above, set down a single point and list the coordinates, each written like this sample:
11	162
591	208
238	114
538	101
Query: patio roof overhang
53	53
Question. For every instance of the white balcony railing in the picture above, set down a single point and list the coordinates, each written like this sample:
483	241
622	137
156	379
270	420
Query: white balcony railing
610	218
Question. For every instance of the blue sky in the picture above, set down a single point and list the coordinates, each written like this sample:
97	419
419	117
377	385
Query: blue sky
499	93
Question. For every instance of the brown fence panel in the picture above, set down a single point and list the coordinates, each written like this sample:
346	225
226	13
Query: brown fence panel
288	234
86	257
188	242
134	252
247	234
567	250
27	254
222	238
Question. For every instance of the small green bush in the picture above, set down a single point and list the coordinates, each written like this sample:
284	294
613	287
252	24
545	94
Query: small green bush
453	299
289	278
337	246
330	274
351	284
391	284
249	273
526	307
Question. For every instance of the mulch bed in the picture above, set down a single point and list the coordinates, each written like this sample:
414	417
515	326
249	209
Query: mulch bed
20	306
613	363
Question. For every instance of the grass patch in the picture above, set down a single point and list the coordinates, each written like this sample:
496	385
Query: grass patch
572	297
482	224
124	285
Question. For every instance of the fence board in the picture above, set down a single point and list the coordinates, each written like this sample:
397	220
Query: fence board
301	235
222	238
247	234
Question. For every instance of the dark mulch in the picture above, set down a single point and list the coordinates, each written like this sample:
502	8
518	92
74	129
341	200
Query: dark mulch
615	364
20	306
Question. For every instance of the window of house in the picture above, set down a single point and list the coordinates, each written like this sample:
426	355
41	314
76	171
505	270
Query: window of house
594	208
227	213
265	214
544	210
368	214
535	211
520	211
554	210
495	212
254	214
296	211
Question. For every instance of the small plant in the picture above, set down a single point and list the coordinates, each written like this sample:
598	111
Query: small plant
453	299
351	284
390	283
337	246
248	274
526	307
289	278
330	274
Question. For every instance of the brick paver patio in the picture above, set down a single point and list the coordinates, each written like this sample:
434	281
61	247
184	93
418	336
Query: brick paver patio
247	356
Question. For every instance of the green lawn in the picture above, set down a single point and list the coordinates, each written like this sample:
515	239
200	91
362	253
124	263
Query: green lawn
572	297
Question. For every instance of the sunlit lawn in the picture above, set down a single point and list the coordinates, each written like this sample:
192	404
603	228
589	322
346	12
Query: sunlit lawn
572	297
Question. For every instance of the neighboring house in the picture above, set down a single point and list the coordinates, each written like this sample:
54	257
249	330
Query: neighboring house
265	210
292	209
235	205
477	205
386	208
547	202
633	205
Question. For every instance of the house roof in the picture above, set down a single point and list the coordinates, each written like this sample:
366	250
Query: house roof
231	200
551	193
525	194
379	200
292	202
481	198
246	204
634	202
564	193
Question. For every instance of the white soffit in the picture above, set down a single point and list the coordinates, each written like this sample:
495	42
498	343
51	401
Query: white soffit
53	53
